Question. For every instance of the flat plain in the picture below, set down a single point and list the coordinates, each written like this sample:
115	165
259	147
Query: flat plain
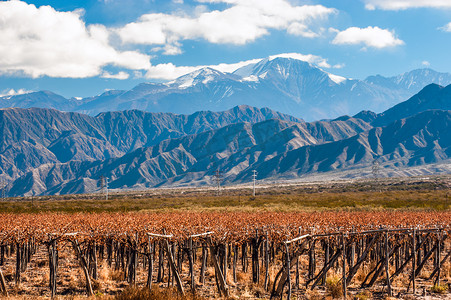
243	253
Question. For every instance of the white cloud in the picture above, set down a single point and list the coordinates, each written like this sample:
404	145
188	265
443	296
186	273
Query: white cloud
120	75
13	92
301	30
406	4
425	63
45	42
170	71
374	37
446	28
241	22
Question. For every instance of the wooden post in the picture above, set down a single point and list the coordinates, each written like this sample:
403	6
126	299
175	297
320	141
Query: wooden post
3	284
266	262
439	242
244	256
191	267
222	283
326	260
235	258
18	261
288	271
225	253
387	274
94	260
413	259
53	265
84	267
149	273
160	262
297	265
343	241
171	249
174	268
204	263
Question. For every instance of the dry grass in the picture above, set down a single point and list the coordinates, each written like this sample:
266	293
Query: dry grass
439	289
363	195
157	293
363	295
334	287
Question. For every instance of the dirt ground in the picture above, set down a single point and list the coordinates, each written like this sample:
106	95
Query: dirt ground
110	283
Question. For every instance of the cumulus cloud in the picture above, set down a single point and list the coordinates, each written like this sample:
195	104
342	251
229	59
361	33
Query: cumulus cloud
170	71
405	4
241	22
373	37
45	42
120	75
446	28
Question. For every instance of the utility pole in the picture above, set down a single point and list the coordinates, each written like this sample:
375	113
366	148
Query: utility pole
218	179
254	179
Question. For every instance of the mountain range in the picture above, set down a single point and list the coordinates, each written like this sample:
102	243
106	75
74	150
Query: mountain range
286	85
45	151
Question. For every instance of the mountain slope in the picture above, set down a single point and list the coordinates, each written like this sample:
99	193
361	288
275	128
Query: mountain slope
412	81
32	137
275	148
417	140
49	152
283	84
41	99
432	96
193	154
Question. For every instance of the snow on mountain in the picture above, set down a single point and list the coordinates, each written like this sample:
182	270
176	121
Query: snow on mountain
337	79
201	76
285	84
412	81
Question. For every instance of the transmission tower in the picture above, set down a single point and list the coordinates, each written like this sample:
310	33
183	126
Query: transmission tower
375	169
254	179
3	185
218	179
103	182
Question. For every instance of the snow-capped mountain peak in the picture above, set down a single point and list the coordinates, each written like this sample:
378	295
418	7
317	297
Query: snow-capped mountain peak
283	68
200	76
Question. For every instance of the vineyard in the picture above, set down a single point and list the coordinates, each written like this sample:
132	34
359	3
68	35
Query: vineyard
241	254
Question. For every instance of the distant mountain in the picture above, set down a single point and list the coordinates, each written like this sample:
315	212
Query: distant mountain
432	96
33	137
421	139
283	84
193	155
42	99
45	151
412	81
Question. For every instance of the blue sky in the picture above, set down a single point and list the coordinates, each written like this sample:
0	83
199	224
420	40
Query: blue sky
82	48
